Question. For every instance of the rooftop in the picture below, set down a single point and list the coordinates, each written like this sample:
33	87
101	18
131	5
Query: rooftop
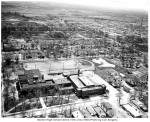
62	81
66	88
33	76
86	81
107	105
28	86
92	88
76	81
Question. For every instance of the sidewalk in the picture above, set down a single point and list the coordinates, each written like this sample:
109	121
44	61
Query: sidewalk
42	102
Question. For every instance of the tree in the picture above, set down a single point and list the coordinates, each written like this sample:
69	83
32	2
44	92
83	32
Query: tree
23	102
119	95
13	91
55	54
53	91
132	96
6	98
67	95
8	61
17	59
145	58
107	92
37	96
60	97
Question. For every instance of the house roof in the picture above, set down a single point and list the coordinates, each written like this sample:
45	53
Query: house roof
31	73
107	105
36	85
143	70
62	81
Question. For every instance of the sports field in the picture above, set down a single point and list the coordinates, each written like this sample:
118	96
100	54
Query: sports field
57	66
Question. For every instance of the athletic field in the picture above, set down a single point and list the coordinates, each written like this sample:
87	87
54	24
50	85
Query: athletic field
58	66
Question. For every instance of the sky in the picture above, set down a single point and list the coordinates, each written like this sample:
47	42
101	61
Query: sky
114	4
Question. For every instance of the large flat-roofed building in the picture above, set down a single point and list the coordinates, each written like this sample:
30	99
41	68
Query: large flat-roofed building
64	85
66	90
85	90
100	89
76	82
86	81
62	82
91	78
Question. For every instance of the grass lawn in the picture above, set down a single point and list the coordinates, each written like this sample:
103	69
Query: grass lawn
52	101
28	105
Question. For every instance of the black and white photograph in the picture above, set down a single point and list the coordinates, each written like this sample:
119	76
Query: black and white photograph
75	59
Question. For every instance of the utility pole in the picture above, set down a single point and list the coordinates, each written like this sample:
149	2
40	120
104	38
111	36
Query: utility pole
50	68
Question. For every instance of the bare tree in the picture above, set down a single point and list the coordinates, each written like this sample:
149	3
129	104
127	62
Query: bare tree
119	95
107	92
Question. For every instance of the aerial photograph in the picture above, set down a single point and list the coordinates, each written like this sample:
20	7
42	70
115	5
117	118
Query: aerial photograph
74	59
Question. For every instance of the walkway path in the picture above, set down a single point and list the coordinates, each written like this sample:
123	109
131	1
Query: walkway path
42	102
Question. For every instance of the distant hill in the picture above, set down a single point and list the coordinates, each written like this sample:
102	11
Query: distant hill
43	8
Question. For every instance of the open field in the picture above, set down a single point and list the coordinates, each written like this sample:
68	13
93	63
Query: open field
59	66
